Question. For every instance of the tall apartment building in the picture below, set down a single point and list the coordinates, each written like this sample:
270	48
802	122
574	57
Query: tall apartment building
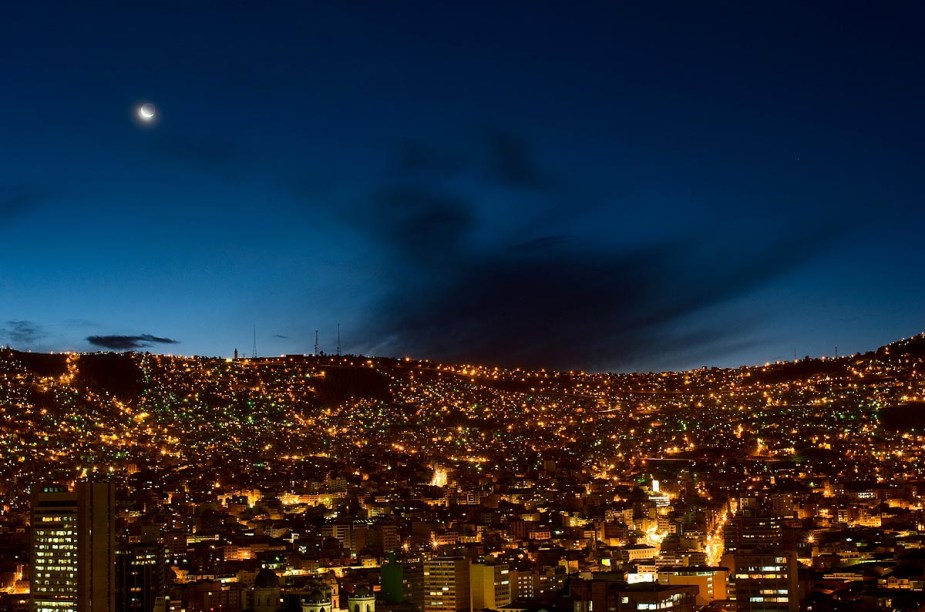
490	586
766	581
73	549
141	576
750	528
446	584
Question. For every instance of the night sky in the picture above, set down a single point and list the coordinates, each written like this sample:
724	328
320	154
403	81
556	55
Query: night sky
608	185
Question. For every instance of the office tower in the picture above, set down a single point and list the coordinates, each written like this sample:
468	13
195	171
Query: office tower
73	549
490	586
383	538
752	528
392	579
446	584
96	545
766	581
53	581
141	576
352	535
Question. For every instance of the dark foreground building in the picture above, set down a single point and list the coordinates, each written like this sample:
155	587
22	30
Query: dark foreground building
608	593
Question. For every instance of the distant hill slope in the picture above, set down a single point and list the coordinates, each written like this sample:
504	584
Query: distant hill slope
64	414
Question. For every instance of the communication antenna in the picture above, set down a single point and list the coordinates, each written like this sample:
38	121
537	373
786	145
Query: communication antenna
338	339
254	351
316	343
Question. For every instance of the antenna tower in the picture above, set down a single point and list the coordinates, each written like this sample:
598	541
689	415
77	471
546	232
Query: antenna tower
338	339
316	343
254	350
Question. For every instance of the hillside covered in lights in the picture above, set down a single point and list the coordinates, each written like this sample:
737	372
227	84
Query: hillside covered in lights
72	415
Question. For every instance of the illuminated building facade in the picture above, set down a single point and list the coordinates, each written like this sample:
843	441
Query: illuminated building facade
750	528
73	549
766	581
490	586
710	581
53	582
446	584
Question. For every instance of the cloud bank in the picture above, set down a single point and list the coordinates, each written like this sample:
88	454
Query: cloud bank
22	334
542	297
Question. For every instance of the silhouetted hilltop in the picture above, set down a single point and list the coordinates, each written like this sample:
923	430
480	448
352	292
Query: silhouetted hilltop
43	364
904	416
789	371
343	383
114	373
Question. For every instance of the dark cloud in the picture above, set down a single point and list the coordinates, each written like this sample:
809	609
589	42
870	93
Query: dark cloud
419	222
282	337
550	301
577	308
124	343
22	334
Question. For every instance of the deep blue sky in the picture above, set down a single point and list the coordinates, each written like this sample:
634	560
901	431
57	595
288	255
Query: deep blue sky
615	185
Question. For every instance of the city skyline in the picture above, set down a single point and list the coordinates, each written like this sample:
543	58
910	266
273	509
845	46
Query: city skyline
609	187
332	483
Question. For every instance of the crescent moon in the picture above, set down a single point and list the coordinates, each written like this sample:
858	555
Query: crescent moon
146	111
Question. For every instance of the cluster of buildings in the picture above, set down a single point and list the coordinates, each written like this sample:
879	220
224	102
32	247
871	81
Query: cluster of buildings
348	484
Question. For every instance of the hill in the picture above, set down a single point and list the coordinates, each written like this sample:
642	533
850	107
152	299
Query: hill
73	414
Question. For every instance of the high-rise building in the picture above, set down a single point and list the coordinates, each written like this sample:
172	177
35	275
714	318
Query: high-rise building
446	584
392	579
489	585
140	576
96	547
352	535
766	581
383	538
536	584
73	549
751	528
53	578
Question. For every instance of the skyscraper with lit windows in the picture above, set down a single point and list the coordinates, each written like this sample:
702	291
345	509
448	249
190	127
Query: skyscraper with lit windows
489	586
766	581
446	584
53	577
73	549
